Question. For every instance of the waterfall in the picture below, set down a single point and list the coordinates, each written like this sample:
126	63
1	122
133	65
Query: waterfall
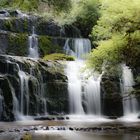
93	99
42	92
33	45
24	92
78	48
15	103
74	87
21	102
84	91
1	103
130	104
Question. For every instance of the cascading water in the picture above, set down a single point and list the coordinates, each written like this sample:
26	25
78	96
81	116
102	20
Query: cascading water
74	87
93	99
130	104
15	103
33	45
78	48
84	92
1	103
21	103
24	92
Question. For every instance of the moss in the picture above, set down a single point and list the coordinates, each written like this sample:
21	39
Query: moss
138	79
8	25
25	24
47	47
27	136
17	44
15	24
58	56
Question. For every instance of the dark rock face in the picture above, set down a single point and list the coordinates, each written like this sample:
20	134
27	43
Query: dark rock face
44	87
3	42
111	94
20	23
15	30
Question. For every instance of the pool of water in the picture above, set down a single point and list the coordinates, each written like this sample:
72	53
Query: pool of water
69	135
75	122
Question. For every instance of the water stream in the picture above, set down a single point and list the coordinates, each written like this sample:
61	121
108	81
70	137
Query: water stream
84	90
33	45
21	102
130	104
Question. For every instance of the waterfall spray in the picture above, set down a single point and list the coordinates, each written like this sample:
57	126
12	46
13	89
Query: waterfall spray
84	92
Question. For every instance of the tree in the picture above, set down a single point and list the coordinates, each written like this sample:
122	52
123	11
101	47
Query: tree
117	34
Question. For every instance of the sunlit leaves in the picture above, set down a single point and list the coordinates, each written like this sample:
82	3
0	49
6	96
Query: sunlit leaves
117	33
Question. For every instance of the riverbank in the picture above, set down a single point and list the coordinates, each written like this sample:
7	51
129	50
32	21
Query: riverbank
38	129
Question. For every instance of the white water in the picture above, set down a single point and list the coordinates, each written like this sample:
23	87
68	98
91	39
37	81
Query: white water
74	87
33	45
21	102
1	103
24	92
130	104
84	92
93	100
78	48
42	92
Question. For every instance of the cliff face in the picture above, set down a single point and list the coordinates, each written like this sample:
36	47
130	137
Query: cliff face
31	87
16	27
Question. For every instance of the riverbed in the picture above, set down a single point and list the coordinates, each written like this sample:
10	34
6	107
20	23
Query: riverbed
71	129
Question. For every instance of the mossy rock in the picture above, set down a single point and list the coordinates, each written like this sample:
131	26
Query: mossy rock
58	56
16	25
26	136
18	44
6	89
47	46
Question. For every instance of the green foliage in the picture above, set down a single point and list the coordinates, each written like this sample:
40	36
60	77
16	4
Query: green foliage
117	34
138	79
87	16
26	5
27	136
47	47
17	44
36	5
58	56
15	25
60	5
83	14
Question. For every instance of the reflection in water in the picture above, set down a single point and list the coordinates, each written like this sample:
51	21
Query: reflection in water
68	135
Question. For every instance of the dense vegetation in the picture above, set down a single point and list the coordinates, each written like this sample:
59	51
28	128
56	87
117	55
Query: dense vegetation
117	34
83	14
37	5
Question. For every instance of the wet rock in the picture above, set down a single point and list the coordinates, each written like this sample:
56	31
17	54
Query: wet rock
133	129
67	118
17	130
112	117
44	118
110	92
52	78
70	128
26	129
26	136
60	118
122	127
4	13
1	130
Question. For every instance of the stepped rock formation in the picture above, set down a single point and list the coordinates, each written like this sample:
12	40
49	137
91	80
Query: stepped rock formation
46	73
